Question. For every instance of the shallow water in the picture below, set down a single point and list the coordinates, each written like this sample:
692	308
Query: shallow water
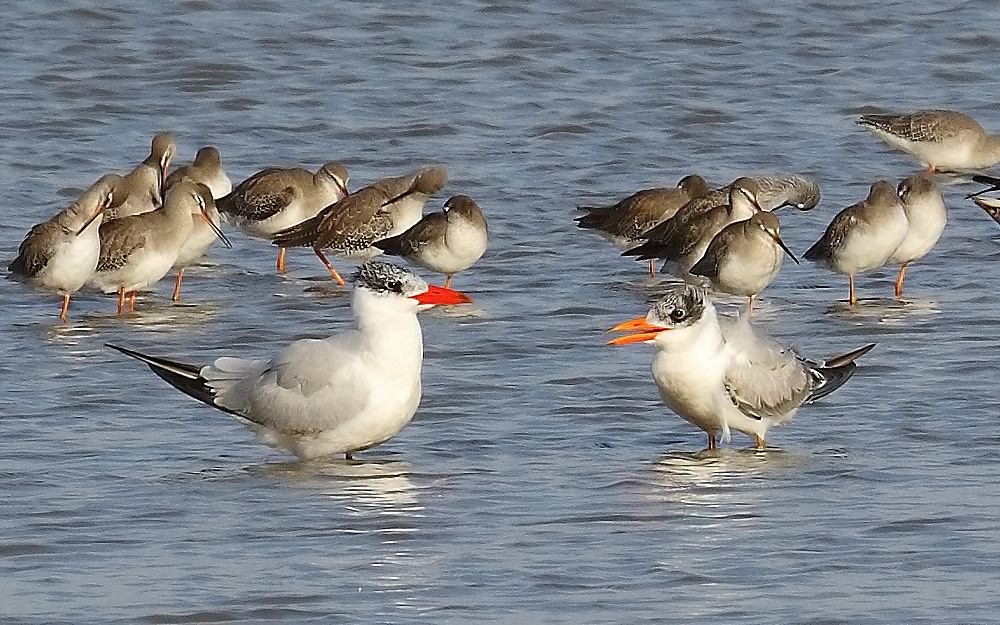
542	480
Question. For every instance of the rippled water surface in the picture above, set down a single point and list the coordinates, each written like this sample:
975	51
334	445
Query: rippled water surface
542	480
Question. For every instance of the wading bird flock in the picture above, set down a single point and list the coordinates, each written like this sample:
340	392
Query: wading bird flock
720	374
357	389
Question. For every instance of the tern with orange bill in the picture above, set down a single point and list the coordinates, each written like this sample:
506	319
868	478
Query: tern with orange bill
721	375
324	397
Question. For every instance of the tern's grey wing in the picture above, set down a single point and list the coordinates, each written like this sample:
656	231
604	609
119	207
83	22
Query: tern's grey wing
764	379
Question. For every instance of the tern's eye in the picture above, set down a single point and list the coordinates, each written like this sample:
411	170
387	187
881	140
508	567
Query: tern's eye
678	314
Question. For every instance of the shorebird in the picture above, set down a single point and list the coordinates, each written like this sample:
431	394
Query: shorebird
138	250
274	199
447	242
407	207
351	226
774	192
207	169
682	240
863	236
61	254
203	234
939	139
926	216
144	186
744	257
725	376
338	395
624	222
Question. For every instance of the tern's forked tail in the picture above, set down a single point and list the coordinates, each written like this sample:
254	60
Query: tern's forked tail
184	377
834	372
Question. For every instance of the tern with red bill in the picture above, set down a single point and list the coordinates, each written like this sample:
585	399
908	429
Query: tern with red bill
338	395
720	375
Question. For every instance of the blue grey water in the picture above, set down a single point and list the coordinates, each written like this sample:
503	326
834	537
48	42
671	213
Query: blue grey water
542	480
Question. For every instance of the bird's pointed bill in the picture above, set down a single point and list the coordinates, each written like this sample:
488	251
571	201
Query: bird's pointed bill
217	230
436	296
781	244
641	329
90	220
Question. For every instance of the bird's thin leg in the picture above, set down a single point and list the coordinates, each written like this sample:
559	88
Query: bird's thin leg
899	281
854	299
177	285
760	442
652	267
121	300
447	282
131	301
750	308
65	308
333	271
711	442
281	259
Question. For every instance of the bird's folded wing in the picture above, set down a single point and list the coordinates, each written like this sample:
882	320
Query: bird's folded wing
765	379
310	386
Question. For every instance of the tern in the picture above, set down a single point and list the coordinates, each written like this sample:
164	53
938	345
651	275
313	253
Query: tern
939	139
61	253
338	395
725	376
